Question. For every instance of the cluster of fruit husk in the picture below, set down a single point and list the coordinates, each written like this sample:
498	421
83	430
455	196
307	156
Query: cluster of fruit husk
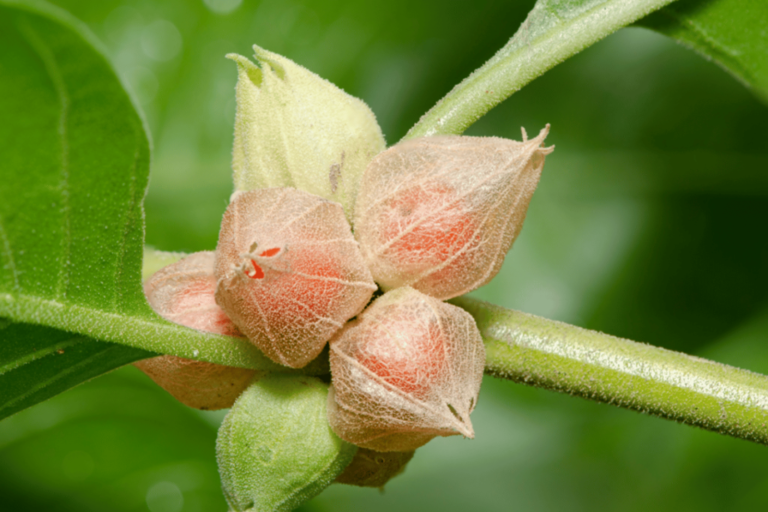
434	219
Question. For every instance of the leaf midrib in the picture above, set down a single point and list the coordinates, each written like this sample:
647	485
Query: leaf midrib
148	332
735	67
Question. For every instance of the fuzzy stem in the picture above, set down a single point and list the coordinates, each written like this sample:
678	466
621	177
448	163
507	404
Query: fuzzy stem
545	353
548	354
538	46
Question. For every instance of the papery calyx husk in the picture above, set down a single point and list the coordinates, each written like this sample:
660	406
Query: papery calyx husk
296	129
289	271
440	213
184	293
370	468
275	449
406	370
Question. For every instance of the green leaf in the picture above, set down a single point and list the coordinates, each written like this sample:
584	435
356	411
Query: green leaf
75	167
554	31
119	440
38	362
275	448
732	33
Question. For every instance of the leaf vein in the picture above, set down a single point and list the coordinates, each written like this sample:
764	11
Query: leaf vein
8	253
39	354
60	375
120	291
51	67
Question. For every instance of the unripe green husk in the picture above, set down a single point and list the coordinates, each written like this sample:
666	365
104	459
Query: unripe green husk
275	449
296	129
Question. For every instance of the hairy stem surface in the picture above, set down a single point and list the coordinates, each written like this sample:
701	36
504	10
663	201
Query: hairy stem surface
548	354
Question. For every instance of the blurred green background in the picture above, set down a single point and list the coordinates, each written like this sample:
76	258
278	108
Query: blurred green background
649	223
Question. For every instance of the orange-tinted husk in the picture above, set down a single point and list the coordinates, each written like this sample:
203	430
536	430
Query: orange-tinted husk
406	370
184	293
289	271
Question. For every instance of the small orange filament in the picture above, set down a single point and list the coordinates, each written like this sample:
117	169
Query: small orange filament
257	273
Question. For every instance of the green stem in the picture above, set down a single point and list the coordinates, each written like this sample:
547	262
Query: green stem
548	36
548	354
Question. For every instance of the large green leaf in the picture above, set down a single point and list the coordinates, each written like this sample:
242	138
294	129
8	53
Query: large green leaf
75	160
730	32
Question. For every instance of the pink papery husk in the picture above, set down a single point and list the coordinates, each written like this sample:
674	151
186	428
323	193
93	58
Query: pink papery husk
184	293
289	271
406	370
440	213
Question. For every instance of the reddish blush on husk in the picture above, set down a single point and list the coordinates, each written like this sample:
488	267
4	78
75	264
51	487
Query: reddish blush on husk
440	213
406	370
289	272
184	293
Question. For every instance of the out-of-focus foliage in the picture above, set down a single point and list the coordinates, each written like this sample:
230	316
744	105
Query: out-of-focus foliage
115	443
730	32
648	224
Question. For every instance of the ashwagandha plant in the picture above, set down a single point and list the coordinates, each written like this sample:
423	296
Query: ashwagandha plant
75	167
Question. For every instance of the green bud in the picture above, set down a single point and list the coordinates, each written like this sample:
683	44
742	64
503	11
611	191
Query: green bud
275	449
296	129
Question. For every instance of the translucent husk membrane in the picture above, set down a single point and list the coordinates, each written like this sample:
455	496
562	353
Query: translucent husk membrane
406	370
289	271
184	293
440	213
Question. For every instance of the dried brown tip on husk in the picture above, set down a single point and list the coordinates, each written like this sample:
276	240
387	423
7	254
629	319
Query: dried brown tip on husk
184	293
406	370
289	271
370	468
440	213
